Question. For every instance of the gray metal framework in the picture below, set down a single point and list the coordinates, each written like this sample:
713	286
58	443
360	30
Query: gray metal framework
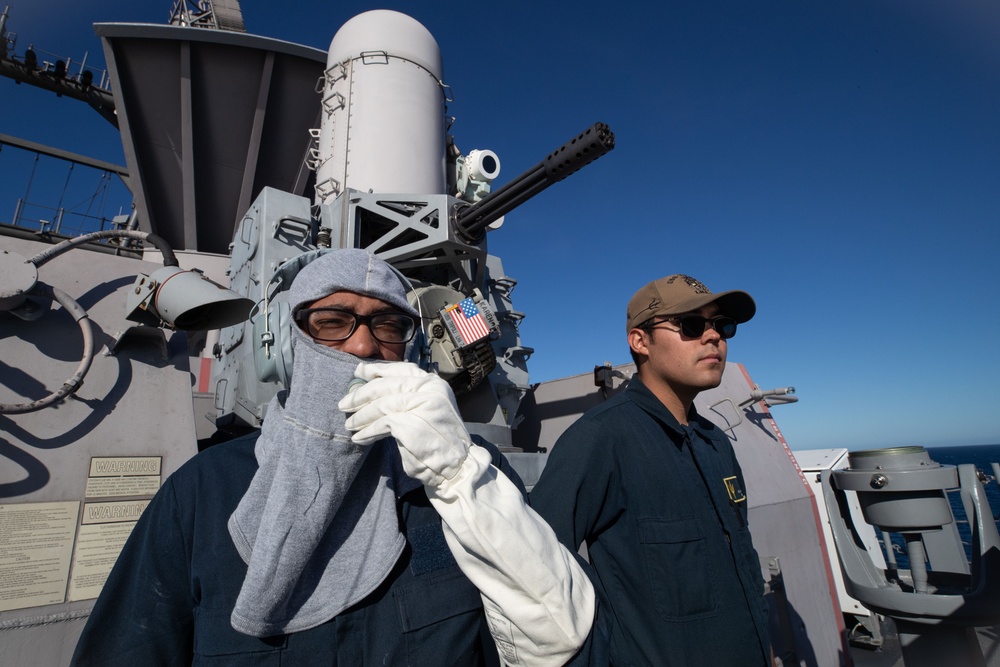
75	158
208	119
55	76
412	232
212	14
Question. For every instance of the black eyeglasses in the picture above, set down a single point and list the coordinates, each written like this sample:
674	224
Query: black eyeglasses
333	324
693	326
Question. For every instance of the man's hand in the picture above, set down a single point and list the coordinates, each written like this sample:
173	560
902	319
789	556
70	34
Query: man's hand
417	409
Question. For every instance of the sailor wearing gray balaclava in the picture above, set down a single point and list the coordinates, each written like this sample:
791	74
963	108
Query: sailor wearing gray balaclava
319	528
364	526
300	533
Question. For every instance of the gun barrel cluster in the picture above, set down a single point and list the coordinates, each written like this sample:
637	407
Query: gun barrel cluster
572	156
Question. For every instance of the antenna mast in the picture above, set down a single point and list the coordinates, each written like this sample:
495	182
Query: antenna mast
211	14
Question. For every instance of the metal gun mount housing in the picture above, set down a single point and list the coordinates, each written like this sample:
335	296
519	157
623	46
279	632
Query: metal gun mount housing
437	241
410	233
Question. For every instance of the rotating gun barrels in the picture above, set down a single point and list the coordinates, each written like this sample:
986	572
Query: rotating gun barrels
575	154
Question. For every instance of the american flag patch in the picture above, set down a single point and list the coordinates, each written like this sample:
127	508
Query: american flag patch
468	321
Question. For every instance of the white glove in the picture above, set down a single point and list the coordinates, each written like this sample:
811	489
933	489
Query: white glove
417	409
538	600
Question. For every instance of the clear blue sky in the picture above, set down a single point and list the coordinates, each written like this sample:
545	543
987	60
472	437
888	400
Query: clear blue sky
839	161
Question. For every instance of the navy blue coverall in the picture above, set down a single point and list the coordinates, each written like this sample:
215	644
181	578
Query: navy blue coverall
169	598
662	509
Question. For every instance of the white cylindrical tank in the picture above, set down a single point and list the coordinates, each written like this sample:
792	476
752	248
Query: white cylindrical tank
383	119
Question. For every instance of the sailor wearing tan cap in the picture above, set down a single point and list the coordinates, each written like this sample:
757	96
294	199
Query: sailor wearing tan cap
656	493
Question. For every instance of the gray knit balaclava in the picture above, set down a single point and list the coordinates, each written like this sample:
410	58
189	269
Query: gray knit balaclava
318	527
349	270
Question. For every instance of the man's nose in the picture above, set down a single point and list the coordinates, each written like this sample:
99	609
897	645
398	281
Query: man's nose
710	331
362	344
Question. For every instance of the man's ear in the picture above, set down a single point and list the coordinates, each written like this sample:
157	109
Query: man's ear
637	341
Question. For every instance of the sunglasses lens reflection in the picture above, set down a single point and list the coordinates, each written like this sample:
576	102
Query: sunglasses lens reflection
726	327
693	326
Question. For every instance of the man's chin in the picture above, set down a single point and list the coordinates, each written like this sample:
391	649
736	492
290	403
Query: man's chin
711	380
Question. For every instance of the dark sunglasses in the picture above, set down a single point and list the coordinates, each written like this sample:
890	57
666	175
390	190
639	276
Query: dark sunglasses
334	324
693	326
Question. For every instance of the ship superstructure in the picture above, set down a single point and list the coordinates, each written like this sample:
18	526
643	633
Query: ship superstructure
244	155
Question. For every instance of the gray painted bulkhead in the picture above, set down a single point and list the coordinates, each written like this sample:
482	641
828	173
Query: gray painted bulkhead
133	402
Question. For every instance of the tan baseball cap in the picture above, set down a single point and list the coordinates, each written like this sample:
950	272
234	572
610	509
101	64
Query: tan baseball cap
678	294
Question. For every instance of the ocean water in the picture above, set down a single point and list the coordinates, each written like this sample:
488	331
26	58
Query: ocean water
982	456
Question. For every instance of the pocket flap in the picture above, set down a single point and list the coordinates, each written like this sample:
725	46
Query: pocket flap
453	594
669	531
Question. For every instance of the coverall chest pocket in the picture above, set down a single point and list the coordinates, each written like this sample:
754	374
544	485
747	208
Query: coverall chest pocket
216	643
678	568
441	618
